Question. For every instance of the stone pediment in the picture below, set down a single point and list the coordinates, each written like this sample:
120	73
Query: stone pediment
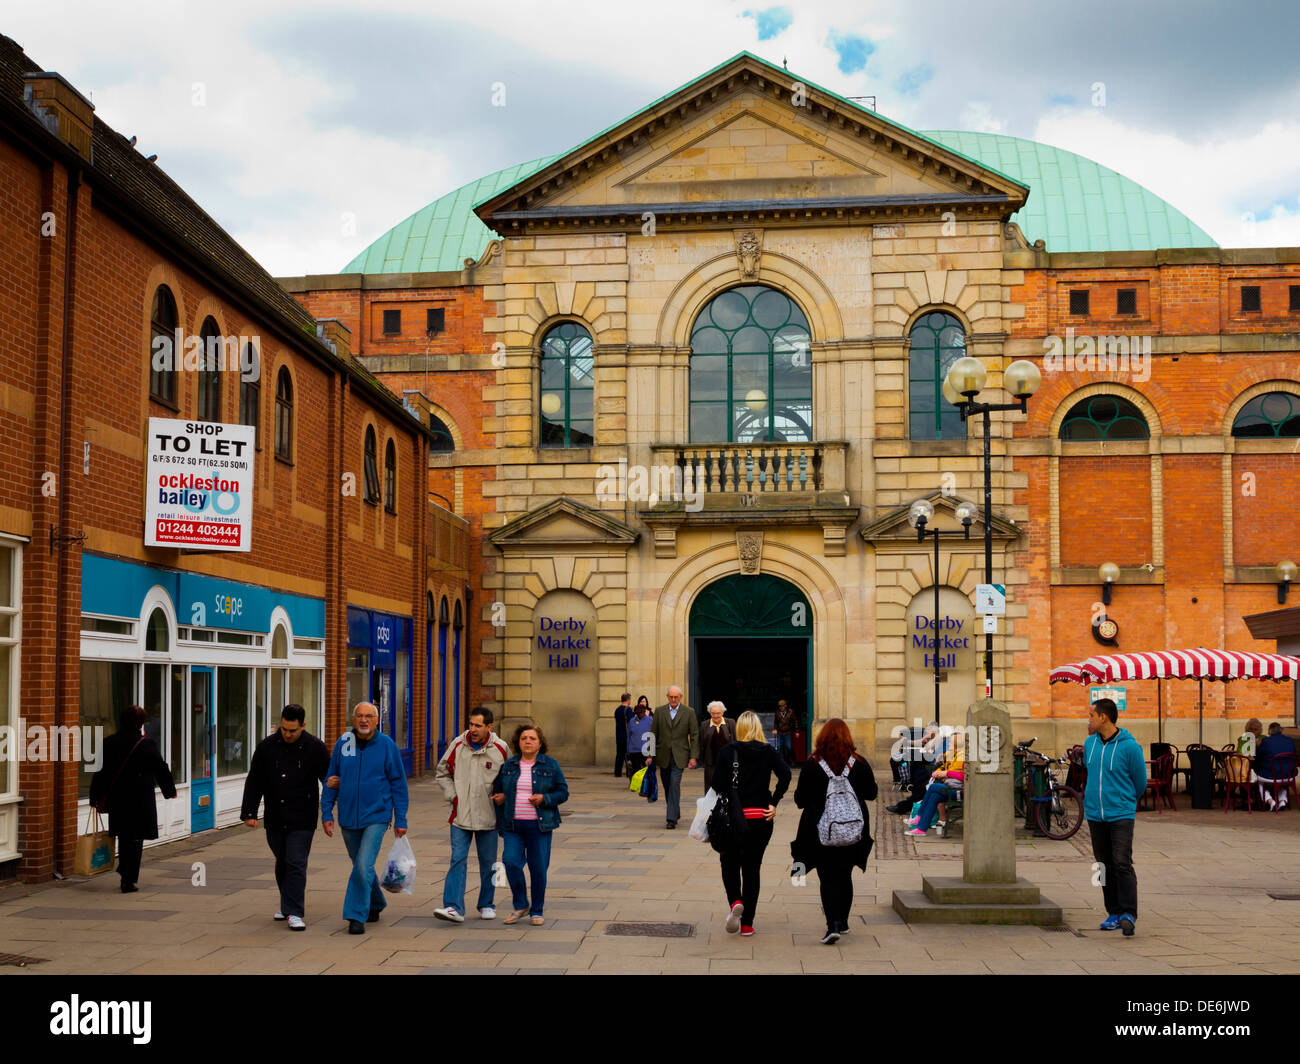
563	523
891	531
735	139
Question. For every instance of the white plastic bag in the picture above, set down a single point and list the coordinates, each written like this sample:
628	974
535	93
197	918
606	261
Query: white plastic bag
399	874
703	807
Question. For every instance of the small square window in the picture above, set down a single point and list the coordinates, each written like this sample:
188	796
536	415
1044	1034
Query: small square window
1079	302
1295	299
435	321
1250	299
392	322
1126	301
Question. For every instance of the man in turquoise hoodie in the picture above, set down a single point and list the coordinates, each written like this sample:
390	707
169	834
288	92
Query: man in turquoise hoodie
1117	777
367	780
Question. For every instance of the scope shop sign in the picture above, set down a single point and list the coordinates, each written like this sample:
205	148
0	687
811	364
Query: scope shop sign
199	485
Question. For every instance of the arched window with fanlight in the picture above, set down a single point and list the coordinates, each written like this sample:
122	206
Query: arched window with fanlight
1271	416
443	442
937	341
568	387
1104	417
163	321
284	416
210	373
751	369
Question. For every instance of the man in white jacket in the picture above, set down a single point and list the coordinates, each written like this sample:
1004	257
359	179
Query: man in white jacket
466	774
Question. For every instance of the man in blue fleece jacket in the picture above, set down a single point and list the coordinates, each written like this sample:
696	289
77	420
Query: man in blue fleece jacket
367	780
1117	777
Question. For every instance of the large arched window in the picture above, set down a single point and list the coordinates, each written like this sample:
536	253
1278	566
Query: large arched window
162	347
1269	416
390	478
284	416
568	387
938	340
371	466
443	443
1104	417
210	373
751	369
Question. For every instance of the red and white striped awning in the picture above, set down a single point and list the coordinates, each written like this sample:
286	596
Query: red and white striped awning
1198	664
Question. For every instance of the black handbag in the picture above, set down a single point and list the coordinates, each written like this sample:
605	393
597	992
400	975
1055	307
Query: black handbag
727	820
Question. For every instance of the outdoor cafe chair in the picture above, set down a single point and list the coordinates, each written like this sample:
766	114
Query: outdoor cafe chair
1161	781
1281	770
1236	769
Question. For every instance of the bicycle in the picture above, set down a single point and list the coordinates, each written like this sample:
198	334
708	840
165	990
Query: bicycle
1060	810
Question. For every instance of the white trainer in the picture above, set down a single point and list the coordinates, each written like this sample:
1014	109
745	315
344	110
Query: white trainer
296	924
449	914
487	913
278	916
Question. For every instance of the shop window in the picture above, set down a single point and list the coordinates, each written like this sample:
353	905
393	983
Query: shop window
250	399
1079	302
442	439
1274	415
1250	299
178	723
284	416
390	477
234	727
280	644
568	387
1105	417
209	408
107	626
237	639
162	356
305	690
751	369
308	644
937	341
371	466
1126	301
107	688
358	678
157	637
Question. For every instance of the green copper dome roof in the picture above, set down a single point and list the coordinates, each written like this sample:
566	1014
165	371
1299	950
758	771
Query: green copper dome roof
1074	204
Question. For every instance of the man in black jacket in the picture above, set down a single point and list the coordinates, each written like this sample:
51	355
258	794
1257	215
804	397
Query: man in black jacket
287	766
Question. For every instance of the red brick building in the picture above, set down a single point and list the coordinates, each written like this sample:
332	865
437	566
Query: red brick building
352	571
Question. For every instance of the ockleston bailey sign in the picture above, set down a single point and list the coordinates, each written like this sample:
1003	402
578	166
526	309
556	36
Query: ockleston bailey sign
198	488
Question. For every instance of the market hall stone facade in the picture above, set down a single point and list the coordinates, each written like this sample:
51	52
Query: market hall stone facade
707	388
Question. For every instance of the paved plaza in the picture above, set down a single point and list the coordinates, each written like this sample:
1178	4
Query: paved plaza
1205	882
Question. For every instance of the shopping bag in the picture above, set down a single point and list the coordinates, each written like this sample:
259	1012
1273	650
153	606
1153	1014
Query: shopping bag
637	777
650	786
95	849
399	874
703	807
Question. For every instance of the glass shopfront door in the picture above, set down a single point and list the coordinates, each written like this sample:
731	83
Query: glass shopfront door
202	749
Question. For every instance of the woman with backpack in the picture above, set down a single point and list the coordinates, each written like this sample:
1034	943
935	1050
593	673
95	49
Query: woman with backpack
834	831
742	771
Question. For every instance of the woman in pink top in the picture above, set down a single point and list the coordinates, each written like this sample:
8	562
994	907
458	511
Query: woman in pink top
528	792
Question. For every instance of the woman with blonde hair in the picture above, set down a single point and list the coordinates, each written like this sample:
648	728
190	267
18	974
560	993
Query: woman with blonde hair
747	766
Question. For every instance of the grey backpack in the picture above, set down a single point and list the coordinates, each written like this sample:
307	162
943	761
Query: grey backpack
841	823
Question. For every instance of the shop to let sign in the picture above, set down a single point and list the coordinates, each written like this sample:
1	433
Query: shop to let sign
199	485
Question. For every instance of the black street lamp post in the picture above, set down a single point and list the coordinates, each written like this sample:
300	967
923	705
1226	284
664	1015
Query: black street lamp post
965	379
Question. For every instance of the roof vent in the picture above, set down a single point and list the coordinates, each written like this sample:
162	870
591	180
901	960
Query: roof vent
62	109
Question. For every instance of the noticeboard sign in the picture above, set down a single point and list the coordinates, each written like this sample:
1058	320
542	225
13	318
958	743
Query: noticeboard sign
198	488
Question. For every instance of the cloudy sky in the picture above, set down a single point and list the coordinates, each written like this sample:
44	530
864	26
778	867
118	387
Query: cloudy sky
309	129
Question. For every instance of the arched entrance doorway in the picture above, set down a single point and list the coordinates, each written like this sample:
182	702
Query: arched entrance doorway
751	644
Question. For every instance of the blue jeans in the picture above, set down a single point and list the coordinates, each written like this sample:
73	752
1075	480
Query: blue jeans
785	746
453	888
527	841
363	895
934	794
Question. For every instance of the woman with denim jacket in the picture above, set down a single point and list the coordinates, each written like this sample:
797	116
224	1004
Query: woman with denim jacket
528	792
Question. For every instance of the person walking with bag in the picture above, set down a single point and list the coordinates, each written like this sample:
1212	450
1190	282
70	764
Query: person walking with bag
743	775
834	830
124	788
528	793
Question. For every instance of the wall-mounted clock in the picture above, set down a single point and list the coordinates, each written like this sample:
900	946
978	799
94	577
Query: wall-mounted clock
1105	631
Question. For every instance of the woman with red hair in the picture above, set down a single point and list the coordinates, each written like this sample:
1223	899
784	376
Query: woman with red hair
833	756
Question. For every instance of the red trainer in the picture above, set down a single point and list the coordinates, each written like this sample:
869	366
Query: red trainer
746	931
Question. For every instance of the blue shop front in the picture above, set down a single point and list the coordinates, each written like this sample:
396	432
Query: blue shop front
213	661
379	672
